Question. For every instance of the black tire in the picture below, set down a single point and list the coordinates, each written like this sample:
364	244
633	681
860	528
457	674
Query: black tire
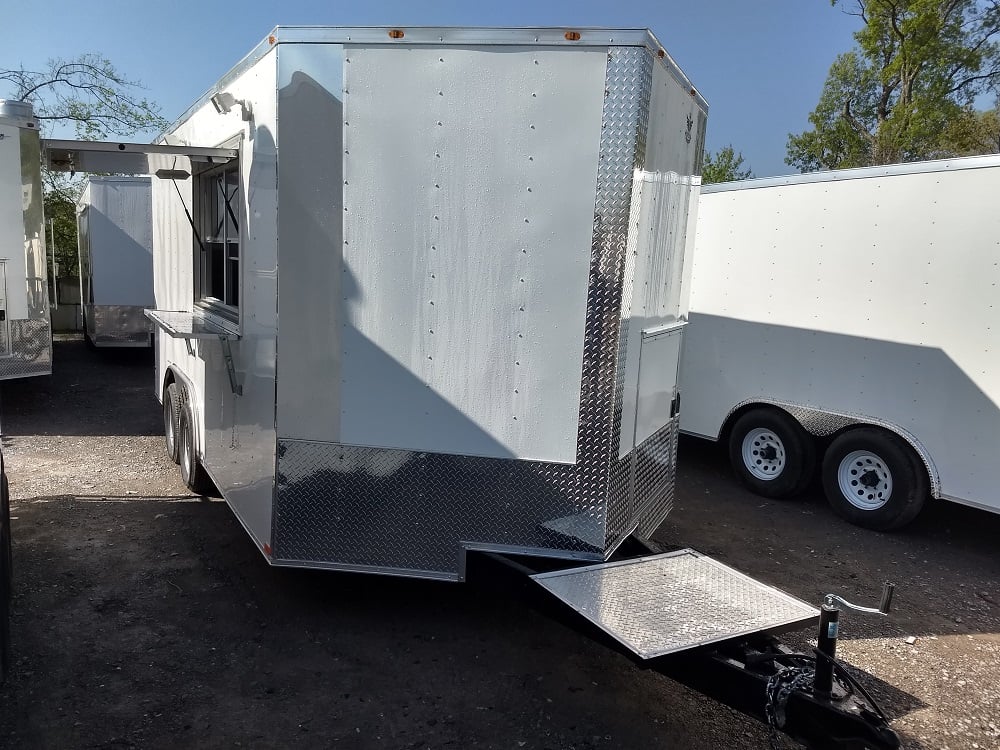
192	472
876	454
6	578
172	403
780	456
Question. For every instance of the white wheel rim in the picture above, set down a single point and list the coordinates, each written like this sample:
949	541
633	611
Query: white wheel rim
763	454
865	480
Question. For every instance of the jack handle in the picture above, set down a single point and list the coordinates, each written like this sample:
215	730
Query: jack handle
832	600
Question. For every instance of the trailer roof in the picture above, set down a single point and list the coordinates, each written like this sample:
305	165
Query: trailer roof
841	175
565	36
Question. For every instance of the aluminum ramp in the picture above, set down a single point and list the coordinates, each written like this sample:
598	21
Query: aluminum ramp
662	604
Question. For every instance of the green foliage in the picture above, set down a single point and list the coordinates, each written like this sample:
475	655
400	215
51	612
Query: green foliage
917	68
60	210
971	133
724	166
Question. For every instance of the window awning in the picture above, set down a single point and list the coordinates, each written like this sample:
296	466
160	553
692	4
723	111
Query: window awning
167	162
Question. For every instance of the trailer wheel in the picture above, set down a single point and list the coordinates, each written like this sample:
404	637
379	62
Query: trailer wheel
771	453
873	478
192	472
171	420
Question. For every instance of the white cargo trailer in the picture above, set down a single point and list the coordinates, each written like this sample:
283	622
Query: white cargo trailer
420	295
115	239
25	328
397	331
848	320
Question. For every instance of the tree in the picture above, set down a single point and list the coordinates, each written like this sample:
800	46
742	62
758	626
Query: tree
724	166
90	94
918	67
972	133
87	92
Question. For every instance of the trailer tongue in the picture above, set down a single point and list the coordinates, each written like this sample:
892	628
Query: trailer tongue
712	628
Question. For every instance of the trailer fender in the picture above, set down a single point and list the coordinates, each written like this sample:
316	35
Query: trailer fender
189	396
822	423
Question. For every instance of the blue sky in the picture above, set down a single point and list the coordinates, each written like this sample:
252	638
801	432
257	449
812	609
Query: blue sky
760	64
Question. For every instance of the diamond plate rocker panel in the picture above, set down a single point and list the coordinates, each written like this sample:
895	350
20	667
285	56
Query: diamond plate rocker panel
405	510
668	603
31	350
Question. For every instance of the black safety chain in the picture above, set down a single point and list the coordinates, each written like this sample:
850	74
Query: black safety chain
779	687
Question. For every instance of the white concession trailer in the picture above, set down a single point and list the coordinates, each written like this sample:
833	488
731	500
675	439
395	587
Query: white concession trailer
115	240
25	328
410	318
849	320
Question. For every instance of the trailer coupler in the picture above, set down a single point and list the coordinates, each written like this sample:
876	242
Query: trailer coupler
767	681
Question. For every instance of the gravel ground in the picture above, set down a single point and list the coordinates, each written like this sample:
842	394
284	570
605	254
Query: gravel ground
144	617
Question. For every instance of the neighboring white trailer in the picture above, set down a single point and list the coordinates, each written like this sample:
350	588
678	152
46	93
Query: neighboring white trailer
25	329
115	233
849	320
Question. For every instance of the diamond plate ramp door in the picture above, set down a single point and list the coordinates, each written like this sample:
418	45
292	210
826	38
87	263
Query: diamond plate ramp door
667	603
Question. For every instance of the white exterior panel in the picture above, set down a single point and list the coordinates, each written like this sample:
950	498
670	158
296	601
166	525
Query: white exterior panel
12	222
236	436
868	295
310	221
120	240
470	178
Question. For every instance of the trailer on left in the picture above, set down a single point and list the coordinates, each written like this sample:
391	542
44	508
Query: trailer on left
25	328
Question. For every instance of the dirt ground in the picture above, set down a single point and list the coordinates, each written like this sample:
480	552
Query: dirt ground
145	618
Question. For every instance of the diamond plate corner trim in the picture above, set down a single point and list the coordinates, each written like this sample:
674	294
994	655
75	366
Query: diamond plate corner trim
667	603
624	124
31	350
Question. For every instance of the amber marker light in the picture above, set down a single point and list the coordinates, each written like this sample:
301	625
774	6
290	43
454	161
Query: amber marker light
572	36
272	39
396	34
